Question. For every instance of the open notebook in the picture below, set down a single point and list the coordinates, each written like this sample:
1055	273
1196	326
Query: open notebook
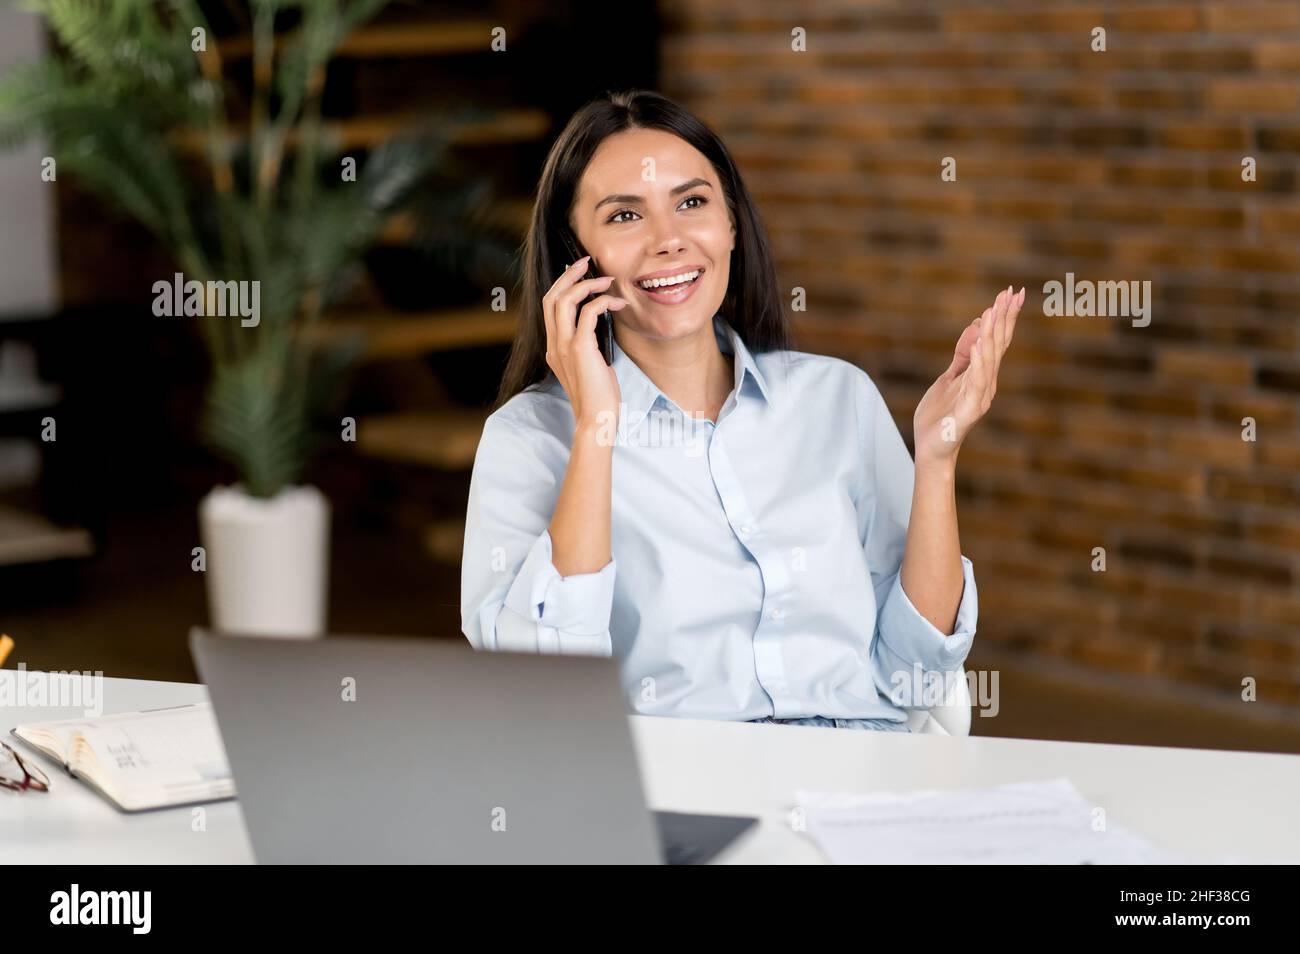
140	760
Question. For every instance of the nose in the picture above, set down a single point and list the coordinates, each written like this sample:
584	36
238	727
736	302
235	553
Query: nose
667	241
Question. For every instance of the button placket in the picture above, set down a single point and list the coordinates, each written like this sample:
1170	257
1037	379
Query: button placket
769	664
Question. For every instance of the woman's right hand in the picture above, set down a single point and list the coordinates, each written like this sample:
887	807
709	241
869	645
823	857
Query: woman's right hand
571	348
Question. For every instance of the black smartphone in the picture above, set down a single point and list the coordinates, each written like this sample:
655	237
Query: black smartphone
605	323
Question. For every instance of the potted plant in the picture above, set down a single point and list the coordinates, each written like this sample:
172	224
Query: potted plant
135	108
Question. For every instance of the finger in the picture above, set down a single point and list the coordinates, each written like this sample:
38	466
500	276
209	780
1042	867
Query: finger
1000	330
988	324
989	331
979	325
992	367
961	354
989	385
989	360
568	278
969	379
570	275
980	368
548	318
1001	307
588	286
967	401
592	311
566	308
1008	303
568	300
1009	323
1016	305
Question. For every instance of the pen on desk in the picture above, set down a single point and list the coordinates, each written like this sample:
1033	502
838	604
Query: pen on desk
6	644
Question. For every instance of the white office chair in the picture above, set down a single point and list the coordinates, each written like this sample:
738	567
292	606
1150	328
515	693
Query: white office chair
952	717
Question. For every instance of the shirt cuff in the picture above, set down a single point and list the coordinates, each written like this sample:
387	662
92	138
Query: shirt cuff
579	604
914	639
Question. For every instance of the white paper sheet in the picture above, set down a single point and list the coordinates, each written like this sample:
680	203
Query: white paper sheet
1045	822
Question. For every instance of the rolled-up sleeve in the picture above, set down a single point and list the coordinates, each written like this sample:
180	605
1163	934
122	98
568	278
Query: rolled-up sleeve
512	596
578	605
904	640
907	638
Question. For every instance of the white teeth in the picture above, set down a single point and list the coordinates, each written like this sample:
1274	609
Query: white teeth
673	280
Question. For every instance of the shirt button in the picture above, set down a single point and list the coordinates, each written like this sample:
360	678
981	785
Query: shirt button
746	529
776	612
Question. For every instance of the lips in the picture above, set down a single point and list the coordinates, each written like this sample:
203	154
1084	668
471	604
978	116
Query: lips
671	272
672	294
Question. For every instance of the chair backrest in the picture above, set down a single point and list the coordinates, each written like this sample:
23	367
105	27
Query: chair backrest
950	718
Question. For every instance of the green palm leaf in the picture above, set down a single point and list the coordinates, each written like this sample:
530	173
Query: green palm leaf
116	108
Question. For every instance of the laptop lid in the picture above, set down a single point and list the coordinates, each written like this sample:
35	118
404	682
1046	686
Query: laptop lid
374	750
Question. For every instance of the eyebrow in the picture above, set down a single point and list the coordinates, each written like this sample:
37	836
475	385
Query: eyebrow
688	184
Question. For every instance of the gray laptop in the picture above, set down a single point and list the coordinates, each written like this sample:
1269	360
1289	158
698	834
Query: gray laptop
373	750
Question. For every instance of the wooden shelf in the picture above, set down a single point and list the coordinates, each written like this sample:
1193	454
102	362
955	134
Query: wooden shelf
365	132
34	396
27	537
512	214
444	440
404	335
393	40
444	540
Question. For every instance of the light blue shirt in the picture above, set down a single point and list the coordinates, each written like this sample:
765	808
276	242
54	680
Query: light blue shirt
755	567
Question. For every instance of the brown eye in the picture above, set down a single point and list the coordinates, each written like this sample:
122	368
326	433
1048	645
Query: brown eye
617	217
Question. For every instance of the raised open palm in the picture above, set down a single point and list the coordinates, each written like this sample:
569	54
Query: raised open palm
963	393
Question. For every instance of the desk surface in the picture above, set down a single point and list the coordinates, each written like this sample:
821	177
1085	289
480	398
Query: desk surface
1200	801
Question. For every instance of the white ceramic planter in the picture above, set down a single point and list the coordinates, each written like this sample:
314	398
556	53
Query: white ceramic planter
267	561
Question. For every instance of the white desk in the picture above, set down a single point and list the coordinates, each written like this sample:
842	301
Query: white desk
1195	800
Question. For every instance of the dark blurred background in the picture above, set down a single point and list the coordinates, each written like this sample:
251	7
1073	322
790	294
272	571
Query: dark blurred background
1117	165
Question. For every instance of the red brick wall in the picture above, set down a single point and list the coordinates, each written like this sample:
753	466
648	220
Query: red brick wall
1123	165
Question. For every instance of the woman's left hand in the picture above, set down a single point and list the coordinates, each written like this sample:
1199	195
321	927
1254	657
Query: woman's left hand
963	393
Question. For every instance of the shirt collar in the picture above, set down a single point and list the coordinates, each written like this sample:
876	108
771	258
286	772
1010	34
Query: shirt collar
640	394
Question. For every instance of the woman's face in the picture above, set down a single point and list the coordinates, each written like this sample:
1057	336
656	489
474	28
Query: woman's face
650	206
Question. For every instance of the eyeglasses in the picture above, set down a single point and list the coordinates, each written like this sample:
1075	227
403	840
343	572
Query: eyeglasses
18	774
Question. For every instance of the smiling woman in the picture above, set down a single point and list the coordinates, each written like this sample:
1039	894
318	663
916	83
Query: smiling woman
769	562
649	192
